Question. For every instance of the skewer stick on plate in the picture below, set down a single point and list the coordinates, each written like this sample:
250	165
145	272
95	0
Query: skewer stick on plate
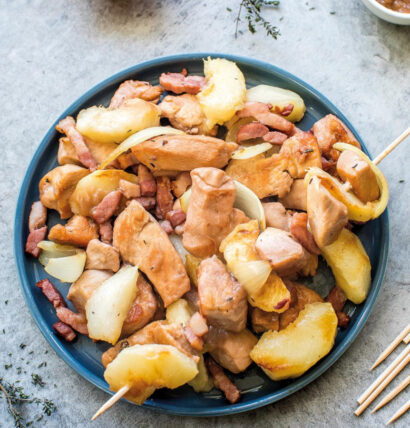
406	340
383	376
392	146
399	413
117	396
396	391
391	347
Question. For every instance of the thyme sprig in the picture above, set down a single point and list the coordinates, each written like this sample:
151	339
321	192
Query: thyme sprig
254	16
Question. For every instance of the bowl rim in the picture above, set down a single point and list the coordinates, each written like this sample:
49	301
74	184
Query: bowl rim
185	410
387	11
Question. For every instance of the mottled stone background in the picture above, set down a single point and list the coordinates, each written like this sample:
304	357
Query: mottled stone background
52	51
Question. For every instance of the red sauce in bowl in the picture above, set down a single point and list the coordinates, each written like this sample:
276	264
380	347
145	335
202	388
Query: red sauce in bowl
402	6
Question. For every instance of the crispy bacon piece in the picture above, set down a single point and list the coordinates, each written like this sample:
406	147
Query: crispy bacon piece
164	197
176	217
179	83
148	203
38	216
166	225
51	292
198	325
329	166
148	185
77	321
65	331
262	113
275	137
299	230
106	232
33	239
195	341
284	111
222	381
251	130
338	299
135	89
67	126
78	231
107	207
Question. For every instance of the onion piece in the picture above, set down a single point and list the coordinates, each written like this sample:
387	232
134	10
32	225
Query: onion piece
138	138
245	200
251	151
67	269
251	274
51	250
233	126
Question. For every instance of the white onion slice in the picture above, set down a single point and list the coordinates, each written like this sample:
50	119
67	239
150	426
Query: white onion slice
67	269
251	151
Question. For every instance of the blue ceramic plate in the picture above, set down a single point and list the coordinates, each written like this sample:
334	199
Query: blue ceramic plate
83	355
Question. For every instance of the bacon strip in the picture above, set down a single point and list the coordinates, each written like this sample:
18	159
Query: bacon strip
222	381
148	185
106	232
164	197
65	331
67	126
38	216
107	207
338	299
77	321
181	82
176	217
251	130
51	292
148	203
135	89
299	230
33	239
275	137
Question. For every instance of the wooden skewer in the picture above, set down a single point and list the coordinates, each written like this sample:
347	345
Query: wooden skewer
406	340
121	392
396	391
381	387
399	413
391	347
392	146
383	375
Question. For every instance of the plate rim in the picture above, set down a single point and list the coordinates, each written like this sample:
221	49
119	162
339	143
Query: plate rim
46	330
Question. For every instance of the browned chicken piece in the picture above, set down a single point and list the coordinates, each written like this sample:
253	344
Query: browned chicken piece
264	321
135	89
143	243
309	264
301	152
181	183
296	199
275	137
164	197
129	190
250	131
222	381
183	152
304	296
265	176
107	207
338	299
184	112
148	185
67	126
222	299
327	216
105	231
179	83
156	332
330	130
67	154
77	321
276	215
82	289
299	230
102	256
142	310
210	216
279	248
357	172
261	112
37	217
125	161
78	231
57	186
230	350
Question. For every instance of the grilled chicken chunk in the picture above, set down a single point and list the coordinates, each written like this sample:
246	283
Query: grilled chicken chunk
102	256
230	350
135	89
222	299
183	152
296	198
57	186
211	216
276	215
357	172
143	243
327	216
78	231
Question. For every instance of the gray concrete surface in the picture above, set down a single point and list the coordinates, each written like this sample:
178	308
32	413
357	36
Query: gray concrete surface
53	51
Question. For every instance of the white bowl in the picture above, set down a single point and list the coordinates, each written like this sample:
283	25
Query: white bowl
387	14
